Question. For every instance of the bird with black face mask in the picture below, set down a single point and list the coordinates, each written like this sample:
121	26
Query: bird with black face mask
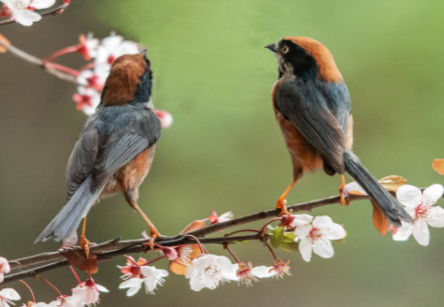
115	149
313	109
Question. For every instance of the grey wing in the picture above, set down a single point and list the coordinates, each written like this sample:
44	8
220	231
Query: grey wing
130	134
338	102
307	108
82	159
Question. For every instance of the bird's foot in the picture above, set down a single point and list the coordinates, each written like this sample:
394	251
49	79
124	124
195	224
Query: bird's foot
281	204
343	200
84	244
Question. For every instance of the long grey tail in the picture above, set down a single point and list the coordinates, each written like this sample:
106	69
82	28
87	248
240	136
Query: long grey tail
69	218
386	202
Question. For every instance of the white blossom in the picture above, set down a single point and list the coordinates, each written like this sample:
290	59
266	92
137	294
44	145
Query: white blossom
8	295
420	207
208	271
151	277
316	237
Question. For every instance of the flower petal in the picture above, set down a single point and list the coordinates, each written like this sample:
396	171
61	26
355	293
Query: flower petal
10	294
403	232
432	194
301	219
305	248
323	248
421	232
42	4
25	17
335	232
409	195
435	217
302	231
322	222
263	271
353	188
102	289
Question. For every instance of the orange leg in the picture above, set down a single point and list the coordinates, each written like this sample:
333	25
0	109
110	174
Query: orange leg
341	188
280	204
153	231
84	243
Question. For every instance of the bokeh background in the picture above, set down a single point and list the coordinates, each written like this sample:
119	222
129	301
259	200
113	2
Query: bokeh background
224	150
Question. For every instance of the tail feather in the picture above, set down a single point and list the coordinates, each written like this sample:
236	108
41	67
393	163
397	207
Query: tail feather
69	218
382	198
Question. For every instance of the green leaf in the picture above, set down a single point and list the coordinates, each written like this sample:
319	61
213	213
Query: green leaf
277	236
289	237
239	242
290	247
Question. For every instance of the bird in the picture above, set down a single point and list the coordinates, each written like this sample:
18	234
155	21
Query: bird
312	106
115	149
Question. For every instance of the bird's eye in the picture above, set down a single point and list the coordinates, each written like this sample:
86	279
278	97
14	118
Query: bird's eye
285	49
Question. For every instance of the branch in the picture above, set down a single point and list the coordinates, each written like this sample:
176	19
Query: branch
117	247
38	62
52	12
139	248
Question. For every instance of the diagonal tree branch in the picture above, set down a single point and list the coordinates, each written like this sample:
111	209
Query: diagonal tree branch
38	62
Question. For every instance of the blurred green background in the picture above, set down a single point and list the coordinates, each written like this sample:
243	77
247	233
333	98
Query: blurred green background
225	151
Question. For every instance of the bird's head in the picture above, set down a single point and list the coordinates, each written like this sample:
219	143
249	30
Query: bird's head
130	80
305	58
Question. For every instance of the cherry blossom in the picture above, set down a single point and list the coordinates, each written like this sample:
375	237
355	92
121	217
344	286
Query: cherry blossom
280	268
8	295
132	269
151	277
209	271
4	268
19	11
218	219
317	237
88	46
166	119
88	292
88	78
246	274
111	48
87	99
420	207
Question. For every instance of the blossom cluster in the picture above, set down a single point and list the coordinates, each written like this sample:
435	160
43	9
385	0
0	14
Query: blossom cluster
23	11
85	294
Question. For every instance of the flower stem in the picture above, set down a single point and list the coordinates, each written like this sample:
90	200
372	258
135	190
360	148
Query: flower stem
75	274
232	254
61	52
49	284
203	250
154	260
271	250
30	290
63	68
270	221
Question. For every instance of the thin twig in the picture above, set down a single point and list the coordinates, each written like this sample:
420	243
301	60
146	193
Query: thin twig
38	62
139	248
52	12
